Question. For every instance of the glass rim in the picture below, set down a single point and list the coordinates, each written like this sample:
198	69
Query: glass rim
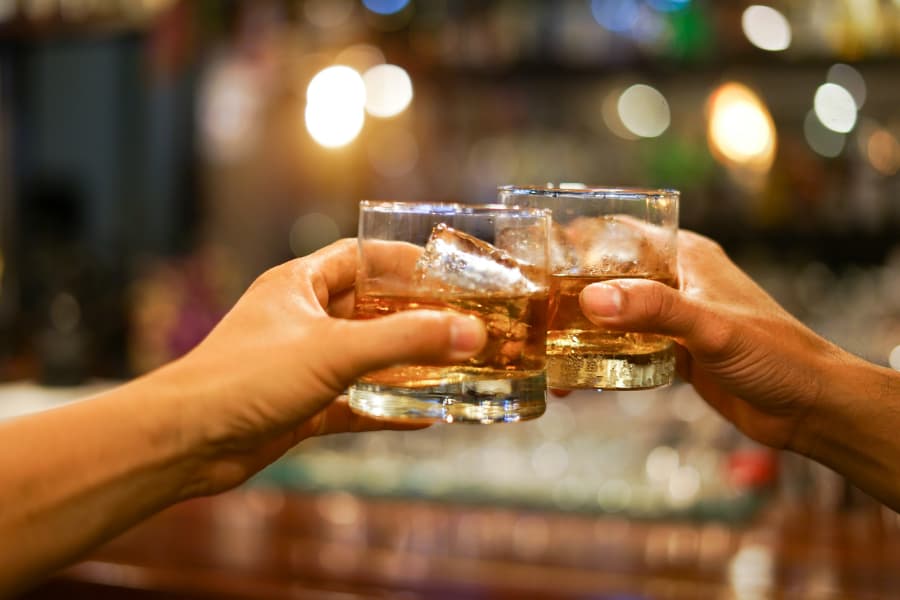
588	190
451	208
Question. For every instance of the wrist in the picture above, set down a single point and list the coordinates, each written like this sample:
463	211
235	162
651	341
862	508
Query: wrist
176	426
852	423
823	406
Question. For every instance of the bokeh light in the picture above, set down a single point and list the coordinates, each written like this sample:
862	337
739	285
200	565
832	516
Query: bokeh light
334	106
851	80
883	152
616	15
894	358
835	107
311	232
385	7
684	485
766	28
388	90
661	463
610	113
668	5
229	107
741	130
334	126
644	111
822	140
337	84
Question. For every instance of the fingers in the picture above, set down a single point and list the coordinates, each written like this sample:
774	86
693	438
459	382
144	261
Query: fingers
341	305
646	306
640	305
334	265
386	259
417	336
339	418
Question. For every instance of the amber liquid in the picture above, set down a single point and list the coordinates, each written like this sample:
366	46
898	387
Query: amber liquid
516	345
580	355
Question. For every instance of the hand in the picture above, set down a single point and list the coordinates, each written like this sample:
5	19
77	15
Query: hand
751	360
265	378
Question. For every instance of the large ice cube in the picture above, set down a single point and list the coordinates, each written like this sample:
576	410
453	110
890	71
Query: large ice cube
615	245
457	261
527	244
563	255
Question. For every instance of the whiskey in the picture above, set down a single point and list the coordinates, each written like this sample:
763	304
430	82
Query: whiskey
580	355
516	337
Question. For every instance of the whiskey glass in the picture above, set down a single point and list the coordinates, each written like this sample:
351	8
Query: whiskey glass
600	234
490	261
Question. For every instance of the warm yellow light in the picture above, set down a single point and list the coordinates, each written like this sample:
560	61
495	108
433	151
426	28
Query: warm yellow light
338	84
334	106
334	126
741	131
883	151
388	90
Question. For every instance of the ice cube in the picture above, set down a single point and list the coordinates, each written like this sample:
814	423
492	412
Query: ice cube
507	325
527	244
457	261
563	256
611	245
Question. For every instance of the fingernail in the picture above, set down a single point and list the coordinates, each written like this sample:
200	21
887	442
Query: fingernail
467	335
602	300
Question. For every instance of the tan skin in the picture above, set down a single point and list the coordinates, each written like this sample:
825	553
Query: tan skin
267	377
778	381
264	379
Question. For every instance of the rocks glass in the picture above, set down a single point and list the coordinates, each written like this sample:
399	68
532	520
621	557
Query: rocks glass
488	261
600	234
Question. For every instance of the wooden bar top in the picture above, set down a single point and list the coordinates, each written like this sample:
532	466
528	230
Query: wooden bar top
269	544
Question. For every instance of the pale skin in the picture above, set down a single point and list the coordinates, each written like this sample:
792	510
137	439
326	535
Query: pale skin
263	380
773	377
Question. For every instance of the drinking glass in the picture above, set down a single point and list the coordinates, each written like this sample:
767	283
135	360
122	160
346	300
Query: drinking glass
600	234
488	261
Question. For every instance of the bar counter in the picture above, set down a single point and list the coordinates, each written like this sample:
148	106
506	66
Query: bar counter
254	543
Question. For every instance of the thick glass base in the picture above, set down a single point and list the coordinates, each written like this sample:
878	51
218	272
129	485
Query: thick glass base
482	401
573	371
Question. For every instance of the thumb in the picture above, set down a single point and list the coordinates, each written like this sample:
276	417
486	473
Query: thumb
415	336
640	305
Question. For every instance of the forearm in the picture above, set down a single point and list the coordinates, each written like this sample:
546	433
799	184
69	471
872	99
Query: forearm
854	426
76	476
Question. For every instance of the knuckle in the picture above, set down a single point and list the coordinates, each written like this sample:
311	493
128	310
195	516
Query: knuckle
657	304
695	242
345	245
266	278
716	338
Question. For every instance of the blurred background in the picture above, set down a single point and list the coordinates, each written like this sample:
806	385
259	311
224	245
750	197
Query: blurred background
157	155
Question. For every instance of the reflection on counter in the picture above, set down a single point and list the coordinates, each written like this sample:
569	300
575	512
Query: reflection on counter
676	458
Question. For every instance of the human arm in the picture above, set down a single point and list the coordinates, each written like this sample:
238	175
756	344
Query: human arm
774	378
263	380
